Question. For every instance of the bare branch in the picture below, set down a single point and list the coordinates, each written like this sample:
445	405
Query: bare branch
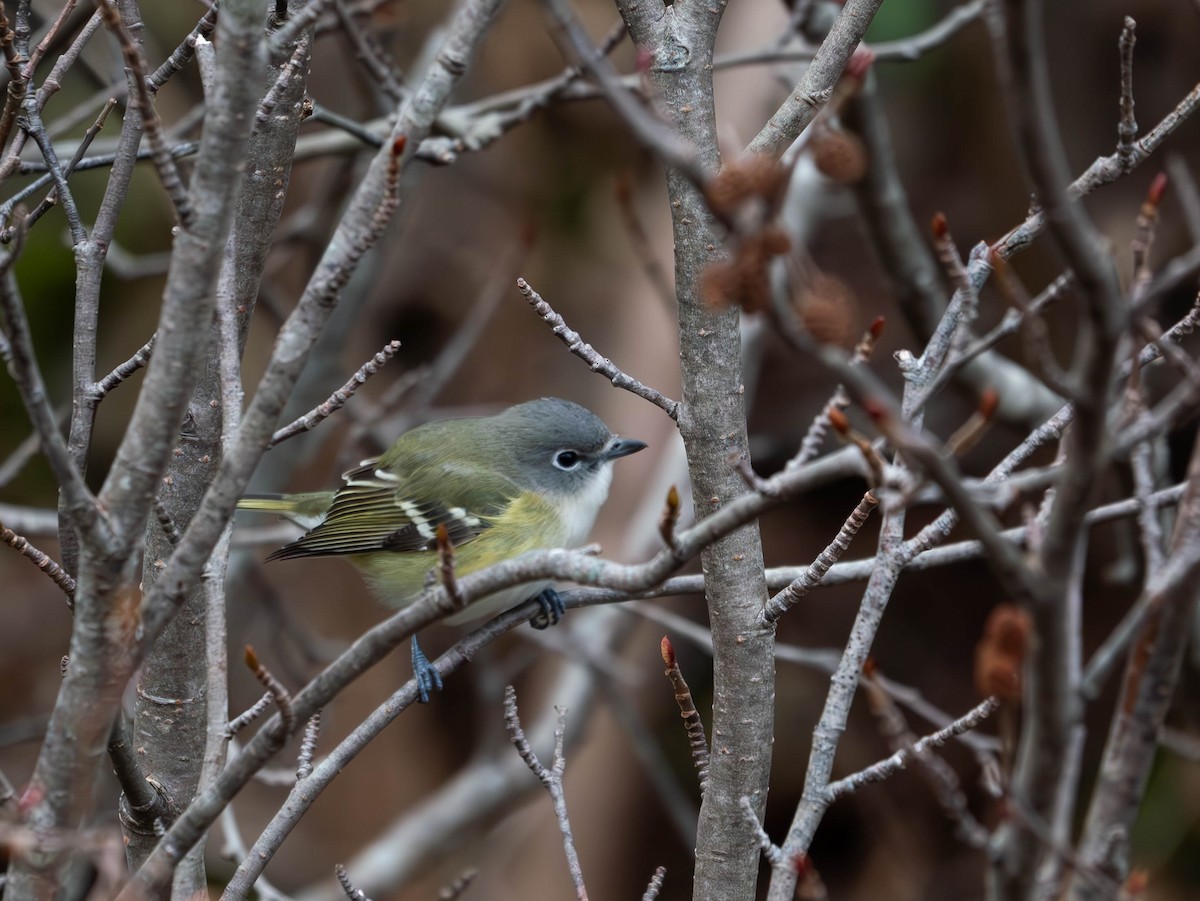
551	778
1051	739
41	560
650	131
818	81
884	769
771	851
164	160
183	54
1170	599
938	773
656	884
240	722
587	353
692	724
280	696
308	747
143	805
27	374
790	596
139	359
369	55
1127	126
338	399
352	893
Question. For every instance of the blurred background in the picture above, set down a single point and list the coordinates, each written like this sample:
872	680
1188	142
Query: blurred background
570	203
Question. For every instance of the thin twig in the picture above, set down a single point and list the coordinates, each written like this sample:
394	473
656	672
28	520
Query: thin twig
48	38
692	724
940	775
909	49
817	82
790	596
888	767
53	82
369	54
88	136
42	561
27	374
123	371
161	154
16	84
551	778
257	709
281	84
31	123
234	848
354	894
810	446
1149	524
771	851
308	747
338	399
587	353
652	132
656	884
280	696
1126	125
182	54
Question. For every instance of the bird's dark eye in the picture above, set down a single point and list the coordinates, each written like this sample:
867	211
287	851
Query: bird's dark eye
567	459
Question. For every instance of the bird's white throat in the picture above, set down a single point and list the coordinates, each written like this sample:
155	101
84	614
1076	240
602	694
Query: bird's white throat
578	511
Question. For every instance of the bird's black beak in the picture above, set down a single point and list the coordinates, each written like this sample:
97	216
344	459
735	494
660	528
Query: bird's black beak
623	447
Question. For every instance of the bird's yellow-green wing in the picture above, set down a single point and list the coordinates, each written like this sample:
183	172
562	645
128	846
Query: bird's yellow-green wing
377	510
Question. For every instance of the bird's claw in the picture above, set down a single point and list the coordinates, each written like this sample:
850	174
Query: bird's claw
426	674
552	609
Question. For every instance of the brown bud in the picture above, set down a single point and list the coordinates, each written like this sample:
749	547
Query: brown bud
739	180
860	62
719	286
668	652
876	410
988	402
838	420
1158	187
775	241
827	308
1136	884
839	155
940	227
1001	651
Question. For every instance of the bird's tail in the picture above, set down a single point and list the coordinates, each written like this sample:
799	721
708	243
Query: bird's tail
306	510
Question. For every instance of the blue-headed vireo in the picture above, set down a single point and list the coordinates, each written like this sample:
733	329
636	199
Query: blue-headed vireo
534	476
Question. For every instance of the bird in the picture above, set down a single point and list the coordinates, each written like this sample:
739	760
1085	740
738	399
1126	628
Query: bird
530	477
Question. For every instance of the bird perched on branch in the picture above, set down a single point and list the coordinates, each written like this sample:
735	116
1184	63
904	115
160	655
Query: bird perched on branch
531	477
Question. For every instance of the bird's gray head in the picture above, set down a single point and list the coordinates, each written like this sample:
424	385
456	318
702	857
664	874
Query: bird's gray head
559	447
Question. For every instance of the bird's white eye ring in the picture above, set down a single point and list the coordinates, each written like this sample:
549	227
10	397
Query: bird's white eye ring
566	459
